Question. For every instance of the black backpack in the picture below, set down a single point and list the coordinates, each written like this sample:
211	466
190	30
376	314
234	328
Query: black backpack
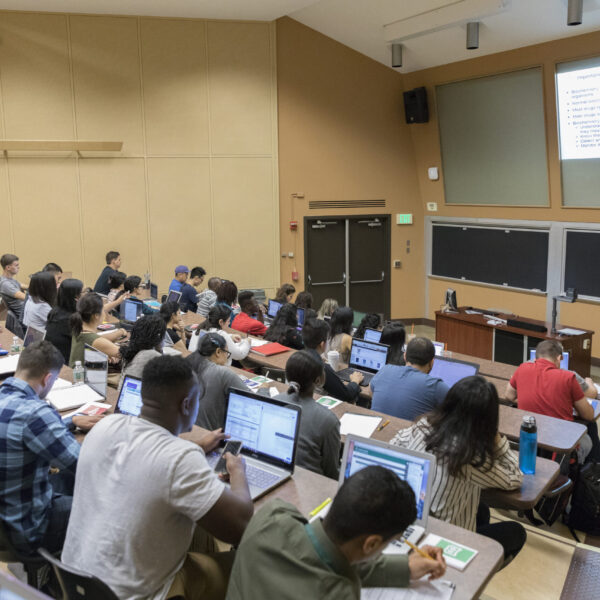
585	504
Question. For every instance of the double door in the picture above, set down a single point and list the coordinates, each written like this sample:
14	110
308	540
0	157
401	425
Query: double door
348	258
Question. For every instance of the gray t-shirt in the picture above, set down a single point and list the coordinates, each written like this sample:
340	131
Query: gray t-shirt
135	368
35	314
8	288
139	492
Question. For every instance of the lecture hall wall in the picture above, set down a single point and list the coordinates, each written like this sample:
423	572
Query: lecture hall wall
196	181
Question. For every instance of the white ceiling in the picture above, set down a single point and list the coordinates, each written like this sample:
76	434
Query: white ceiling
432	31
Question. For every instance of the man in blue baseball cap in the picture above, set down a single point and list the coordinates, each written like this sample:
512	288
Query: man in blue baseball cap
189	294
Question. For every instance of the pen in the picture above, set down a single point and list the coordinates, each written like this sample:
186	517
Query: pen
320	507
382	426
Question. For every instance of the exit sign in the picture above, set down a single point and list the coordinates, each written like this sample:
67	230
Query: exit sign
405	219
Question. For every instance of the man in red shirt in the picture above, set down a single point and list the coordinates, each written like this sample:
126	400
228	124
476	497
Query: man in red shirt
245	320
543	387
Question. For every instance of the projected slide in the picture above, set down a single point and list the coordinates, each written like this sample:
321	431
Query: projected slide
579	113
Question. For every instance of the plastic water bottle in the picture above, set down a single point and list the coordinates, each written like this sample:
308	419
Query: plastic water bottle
528	445
15	346
78	373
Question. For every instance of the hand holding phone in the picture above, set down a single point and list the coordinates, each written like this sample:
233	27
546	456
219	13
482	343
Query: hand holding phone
232	446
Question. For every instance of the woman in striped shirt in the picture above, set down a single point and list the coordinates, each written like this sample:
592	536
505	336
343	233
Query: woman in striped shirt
462	432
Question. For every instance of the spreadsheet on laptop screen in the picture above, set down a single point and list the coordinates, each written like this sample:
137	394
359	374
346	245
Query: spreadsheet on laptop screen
367	355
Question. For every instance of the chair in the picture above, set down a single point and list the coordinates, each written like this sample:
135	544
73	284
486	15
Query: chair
76	584
13	324
273	373
259	295
9	554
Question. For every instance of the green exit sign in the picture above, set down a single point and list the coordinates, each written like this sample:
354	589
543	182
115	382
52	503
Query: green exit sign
405	219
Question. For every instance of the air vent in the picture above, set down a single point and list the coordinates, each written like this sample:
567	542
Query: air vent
321	204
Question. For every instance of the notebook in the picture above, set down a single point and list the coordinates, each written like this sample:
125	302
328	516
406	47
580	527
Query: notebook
366	357
270	349
33	335
356	424
8	365
451	370
129	401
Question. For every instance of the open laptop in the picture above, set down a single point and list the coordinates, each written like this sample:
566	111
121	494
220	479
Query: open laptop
33	335
439	348
564	361
372	335
269	429
300	317
416	468
174	296
451	370
130	310
153	291
366	357
273	308
130	397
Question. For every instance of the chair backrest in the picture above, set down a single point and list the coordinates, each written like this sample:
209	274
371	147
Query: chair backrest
259	295
13	325
76	584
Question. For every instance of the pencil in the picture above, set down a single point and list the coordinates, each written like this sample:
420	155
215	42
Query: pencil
417	549
320	507
382	426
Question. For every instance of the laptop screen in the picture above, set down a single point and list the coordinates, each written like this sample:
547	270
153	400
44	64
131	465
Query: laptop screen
154	291
130	310
414	468
372	335
268	427
95	365
174	296
300	316
130	398
33	335
368	356
273	309
439	348
451	370
564	361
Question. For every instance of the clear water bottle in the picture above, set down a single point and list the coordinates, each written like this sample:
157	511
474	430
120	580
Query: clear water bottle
528	445
78	373
15	347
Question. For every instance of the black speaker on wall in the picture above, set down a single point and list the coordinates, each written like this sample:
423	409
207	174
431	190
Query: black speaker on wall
415	106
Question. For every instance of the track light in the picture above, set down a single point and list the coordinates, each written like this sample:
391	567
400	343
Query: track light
472	35
575	12
396	55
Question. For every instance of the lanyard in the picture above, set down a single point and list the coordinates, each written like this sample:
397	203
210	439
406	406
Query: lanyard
323	555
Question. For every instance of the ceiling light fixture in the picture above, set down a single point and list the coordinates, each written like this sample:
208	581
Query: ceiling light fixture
472	35
396	55
575	12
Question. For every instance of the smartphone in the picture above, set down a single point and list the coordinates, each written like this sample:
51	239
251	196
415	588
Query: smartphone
233	446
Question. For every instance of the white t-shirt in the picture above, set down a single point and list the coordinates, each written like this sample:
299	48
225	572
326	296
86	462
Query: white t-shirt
139	491
36	314
239	350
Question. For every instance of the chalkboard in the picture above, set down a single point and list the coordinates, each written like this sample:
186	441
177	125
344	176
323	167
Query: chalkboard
509	257
582	267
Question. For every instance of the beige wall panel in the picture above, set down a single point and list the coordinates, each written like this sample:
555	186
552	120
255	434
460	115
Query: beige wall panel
114	214
239	58
180	216
107	80
174	79
36	82
46	213
5	214
245	225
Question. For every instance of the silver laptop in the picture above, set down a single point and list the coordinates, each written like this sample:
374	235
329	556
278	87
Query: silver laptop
372	335
130	397
95	364
174	296
366	357
130	310
33	335
269	429
416	468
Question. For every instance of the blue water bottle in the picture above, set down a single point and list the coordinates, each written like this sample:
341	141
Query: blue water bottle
528	445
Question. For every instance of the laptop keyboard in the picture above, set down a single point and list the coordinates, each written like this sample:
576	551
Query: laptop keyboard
260	478
344	375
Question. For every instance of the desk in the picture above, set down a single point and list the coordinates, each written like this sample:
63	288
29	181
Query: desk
471	333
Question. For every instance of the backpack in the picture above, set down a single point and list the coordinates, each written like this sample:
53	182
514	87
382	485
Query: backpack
585	505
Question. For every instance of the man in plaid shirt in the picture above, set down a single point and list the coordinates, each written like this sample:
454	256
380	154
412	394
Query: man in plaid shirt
35	505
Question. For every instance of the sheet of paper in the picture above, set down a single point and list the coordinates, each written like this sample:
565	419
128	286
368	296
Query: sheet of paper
456	555
9	364
423	588
254	342
328	401
72	397
362	425
61	383
570	331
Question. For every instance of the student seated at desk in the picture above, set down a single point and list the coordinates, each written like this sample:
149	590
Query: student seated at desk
58	327
146	501
284	328
208	363
304	300
285	293
34	504
543	387
249	320
314	336
145	343
40	301
227	294
394	336
11	291
328	307
207	298
408	391
331	559
462	432
113	264
84	327
218	315
371	320
131	290
175	336
116	284
339	333
319	439
56	271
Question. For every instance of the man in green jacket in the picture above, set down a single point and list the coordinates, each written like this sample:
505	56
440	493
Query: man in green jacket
282	556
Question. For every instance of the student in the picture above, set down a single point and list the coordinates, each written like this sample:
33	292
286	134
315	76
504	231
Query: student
304	300
116	284
34	504
41	300
462	433
208	363
339	334
131	290
58	327
181	274
56	271
189	293
314	336
84	327
113	264
249	320
145	343
327	309
197	275
330	559
285	293
175	336
371	320
208	297
11	290
227	293
218	315
543	387
319	438
408	392
394	336
284	328
143	496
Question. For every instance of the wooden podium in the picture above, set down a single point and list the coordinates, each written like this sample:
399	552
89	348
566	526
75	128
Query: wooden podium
470	333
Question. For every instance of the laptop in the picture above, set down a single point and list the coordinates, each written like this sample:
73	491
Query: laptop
300	317
174	296
33	335
366	357
130	397
416	468
130	310
269	429
372	335
564	361
439	348
451	370
153	291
